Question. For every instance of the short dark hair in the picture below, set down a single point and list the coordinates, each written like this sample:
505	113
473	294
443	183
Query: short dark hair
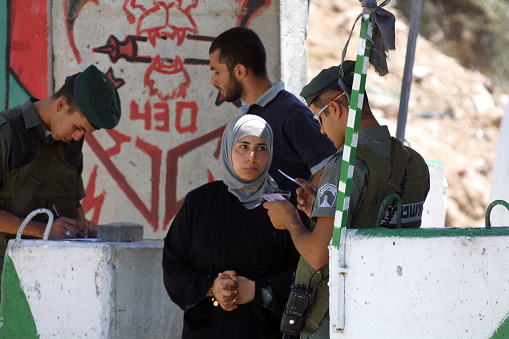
240	45
325	97
67	91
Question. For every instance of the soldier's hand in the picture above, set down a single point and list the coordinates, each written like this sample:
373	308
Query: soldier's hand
86	228
281	213
63	228
305	196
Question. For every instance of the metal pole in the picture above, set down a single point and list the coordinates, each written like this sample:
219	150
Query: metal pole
415	18
337	246
352	130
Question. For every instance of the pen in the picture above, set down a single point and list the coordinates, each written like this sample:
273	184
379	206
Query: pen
289	177
58	214
58	211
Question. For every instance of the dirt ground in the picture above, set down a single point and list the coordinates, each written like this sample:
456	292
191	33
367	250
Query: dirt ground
454	113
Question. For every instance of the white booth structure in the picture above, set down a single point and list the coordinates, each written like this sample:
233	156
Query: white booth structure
422	283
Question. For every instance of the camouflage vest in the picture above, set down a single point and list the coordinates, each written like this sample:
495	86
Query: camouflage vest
414	185
415	189
57	175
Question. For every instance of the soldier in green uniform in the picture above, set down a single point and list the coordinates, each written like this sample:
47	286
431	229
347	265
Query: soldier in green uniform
383	166
41	156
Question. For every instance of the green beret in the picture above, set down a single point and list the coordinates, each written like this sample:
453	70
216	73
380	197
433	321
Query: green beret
97	98
327	79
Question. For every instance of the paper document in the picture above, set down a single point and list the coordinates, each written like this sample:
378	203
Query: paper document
272	197
289	177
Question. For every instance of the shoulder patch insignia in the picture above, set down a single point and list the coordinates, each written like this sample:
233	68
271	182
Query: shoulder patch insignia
327	195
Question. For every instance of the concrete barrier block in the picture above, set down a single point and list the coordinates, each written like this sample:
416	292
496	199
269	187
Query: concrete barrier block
422	283
77	289
120	232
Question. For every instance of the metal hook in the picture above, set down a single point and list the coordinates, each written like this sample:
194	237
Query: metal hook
30	216
490	207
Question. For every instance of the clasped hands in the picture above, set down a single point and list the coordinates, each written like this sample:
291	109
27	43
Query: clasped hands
231	290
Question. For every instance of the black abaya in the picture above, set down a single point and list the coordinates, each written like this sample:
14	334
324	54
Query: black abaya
214	232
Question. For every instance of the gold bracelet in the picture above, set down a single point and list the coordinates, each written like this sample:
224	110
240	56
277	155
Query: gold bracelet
214	300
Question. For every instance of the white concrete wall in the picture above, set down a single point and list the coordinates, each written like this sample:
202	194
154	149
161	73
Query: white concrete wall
94	289
397	284
425	283
435	206
167	141
500	175
294	56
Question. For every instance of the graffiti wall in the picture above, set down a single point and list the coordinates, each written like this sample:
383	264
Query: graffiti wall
24	66
156	52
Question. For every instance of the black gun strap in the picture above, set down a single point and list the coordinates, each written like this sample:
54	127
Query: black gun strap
320	305
399	160
318	311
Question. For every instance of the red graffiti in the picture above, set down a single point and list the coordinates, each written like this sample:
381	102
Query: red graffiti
150	213
145	116
250	9
172	204
179	78
119	139
183	107
118	82
166	79
29	45
72	10
127	49
186	116
92	201
175	24
163	115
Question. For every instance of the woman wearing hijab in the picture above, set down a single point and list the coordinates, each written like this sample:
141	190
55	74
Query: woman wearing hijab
224	263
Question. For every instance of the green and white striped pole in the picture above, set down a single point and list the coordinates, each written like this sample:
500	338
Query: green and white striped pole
336	249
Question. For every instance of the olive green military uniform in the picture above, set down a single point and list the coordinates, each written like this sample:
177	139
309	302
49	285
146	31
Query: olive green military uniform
37	171
368	187
23	137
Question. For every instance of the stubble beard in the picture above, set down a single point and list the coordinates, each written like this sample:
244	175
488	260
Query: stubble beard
234	90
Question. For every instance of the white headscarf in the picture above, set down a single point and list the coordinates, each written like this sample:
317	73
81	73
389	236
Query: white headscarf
248	192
